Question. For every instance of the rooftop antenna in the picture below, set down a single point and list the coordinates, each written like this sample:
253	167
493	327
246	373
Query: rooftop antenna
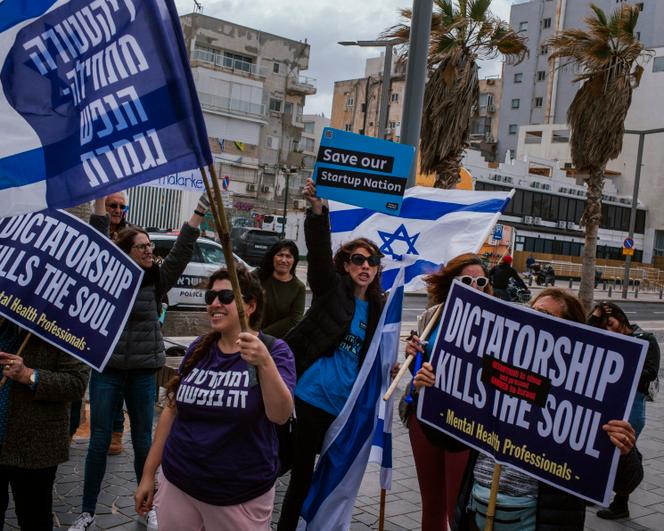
198	7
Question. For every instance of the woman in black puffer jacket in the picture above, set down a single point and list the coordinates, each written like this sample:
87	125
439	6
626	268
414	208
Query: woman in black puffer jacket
330	342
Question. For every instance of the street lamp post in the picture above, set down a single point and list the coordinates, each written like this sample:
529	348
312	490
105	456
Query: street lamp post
287	171
387	76
635	198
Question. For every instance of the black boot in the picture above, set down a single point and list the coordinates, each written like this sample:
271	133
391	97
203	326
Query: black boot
618	509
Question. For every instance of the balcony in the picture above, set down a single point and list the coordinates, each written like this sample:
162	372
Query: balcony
214	103
228	64
301	85
294	119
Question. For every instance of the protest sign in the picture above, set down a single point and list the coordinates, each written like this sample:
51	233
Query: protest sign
531	390
187	181
361	170
66	283
98	97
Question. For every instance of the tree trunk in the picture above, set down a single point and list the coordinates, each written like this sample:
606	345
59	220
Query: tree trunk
590	220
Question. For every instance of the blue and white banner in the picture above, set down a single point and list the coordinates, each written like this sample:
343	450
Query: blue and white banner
66	283
532	391
361	432
434	226
95	97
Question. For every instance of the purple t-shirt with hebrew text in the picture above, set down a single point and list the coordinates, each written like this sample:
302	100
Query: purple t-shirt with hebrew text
222	449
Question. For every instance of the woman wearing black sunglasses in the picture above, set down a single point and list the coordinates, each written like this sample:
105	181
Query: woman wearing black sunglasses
330	342
439	460
216	440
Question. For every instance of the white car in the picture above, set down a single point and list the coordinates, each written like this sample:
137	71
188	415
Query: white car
207	258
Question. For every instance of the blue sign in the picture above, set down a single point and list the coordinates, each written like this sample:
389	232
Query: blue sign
628	243
363	171
498	232
98	97
66	283
532	391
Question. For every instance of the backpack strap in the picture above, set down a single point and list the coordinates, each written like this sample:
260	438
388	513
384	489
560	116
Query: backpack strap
268	340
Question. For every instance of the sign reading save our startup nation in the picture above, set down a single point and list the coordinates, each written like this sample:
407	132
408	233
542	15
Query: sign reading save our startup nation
363	171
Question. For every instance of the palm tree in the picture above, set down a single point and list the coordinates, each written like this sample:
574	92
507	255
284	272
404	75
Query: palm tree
606	53
462	32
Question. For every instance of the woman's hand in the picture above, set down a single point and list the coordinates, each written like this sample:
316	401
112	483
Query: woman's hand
309	193
14	368
394	370
413	346
253	350
622	435
425	377
144	495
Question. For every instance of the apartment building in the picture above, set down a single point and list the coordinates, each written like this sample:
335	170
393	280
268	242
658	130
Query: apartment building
484	123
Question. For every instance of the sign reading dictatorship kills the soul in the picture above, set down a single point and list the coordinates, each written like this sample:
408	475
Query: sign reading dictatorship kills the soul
65	282
363	171
532	391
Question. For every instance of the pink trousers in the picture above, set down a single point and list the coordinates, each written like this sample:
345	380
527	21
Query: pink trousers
177	511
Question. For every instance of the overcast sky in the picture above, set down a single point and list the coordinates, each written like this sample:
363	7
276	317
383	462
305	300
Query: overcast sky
323	23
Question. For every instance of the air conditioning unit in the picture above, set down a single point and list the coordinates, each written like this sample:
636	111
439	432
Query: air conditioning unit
251	188
535	184
265	189
546	187
537	220
528	220
507	179
299	204
491	108
568	166
571	225
563	190
562	224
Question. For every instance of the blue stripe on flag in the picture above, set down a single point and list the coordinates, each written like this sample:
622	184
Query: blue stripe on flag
394	309
420	267
383	439
413	208
22	168
14	11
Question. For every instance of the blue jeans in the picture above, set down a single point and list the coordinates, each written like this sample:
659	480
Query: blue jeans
637	416
107	390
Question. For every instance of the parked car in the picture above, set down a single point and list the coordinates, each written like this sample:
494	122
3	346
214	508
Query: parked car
207	258
254	243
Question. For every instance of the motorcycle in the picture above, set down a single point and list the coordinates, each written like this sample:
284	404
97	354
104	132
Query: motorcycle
517	293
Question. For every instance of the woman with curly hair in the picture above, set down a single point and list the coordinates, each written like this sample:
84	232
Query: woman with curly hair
216	440
439	459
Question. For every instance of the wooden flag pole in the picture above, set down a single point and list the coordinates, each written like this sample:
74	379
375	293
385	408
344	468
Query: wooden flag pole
221	224
381	517
27	337
430	326
491	509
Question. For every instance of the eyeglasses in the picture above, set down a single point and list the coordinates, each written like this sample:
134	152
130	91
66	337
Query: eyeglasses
359	259
144	246
114	206
225	296
468	280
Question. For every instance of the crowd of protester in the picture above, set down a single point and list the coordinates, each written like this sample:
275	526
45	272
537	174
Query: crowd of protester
217	450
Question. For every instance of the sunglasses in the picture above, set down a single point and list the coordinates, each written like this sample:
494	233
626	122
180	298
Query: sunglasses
114	206
144	246
359	259
224	296
481	282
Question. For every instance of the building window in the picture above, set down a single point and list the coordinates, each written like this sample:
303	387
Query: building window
275	105
523	26
533	137
546	23
275	67
539	101
350	101
638	35
541	75
238	62
560	136
309	127
544	49
348	127
518	78
658	64
394	96
363	108
513	129
288	107
516	102
640	6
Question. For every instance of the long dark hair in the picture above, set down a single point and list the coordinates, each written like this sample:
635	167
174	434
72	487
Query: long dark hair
374	290
266	268
572	307
440	282
251	290
125	238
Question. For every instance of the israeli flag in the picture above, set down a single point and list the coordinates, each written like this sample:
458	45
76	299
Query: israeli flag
361	432
95	97
434	226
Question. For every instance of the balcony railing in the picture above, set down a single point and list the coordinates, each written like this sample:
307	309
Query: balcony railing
228	63
213	102
303	84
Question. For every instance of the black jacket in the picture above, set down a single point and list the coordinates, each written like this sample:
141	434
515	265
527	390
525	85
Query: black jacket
500	276
651	365
333	305
556	510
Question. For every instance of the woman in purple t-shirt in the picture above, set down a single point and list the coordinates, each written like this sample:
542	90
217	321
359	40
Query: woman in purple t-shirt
216	441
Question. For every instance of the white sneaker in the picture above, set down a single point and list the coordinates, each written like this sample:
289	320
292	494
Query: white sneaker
84	522
150	520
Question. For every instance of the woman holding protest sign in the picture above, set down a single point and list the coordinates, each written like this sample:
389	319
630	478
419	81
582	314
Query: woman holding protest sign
440	460
523	503
34	422
330	343
610	316
216	440
284	292
138	355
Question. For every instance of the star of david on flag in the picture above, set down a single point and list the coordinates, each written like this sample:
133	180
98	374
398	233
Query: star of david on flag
433	227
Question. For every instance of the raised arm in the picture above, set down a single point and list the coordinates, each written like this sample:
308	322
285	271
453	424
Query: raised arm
320	268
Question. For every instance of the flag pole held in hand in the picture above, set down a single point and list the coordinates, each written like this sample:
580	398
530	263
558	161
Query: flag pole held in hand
430	326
